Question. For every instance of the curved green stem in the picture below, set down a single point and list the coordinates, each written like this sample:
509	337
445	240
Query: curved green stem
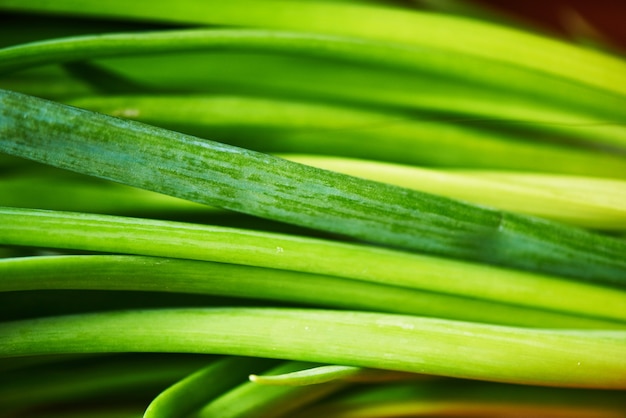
261	401
199	388
323	374
394	342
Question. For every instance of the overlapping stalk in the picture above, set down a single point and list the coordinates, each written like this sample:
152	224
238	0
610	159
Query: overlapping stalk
361	279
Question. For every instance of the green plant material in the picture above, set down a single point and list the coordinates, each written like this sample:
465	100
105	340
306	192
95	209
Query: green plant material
262	401
101	79
98	378
355	78
148	274
286	252
474	10
308	376
369	22
329	373
425	63
270	187
460	398
274	125
585	202
568	358
197	389
466	131
30	187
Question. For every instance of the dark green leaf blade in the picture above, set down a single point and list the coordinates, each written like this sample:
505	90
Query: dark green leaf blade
270	187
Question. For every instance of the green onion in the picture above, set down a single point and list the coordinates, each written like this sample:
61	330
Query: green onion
586	202
567	358
265	186
197	389
352	190
149	274
279	251
254	400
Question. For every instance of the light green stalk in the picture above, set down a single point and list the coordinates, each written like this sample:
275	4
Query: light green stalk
175	275
286	252
323	374
586	202
566	358
261	401
189	394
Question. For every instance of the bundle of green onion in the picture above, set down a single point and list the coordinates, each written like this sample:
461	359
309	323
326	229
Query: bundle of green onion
307	208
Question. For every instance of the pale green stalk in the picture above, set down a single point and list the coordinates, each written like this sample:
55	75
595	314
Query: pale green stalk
270	187
262	401
568	358
329	373
308	375
286	252
150	274
582	201
196	390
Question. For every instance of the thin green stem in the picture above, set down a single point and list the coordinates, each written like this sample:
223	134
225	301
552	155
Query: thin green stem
286	252
186	276
395	342
191	393
328	373
261	401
